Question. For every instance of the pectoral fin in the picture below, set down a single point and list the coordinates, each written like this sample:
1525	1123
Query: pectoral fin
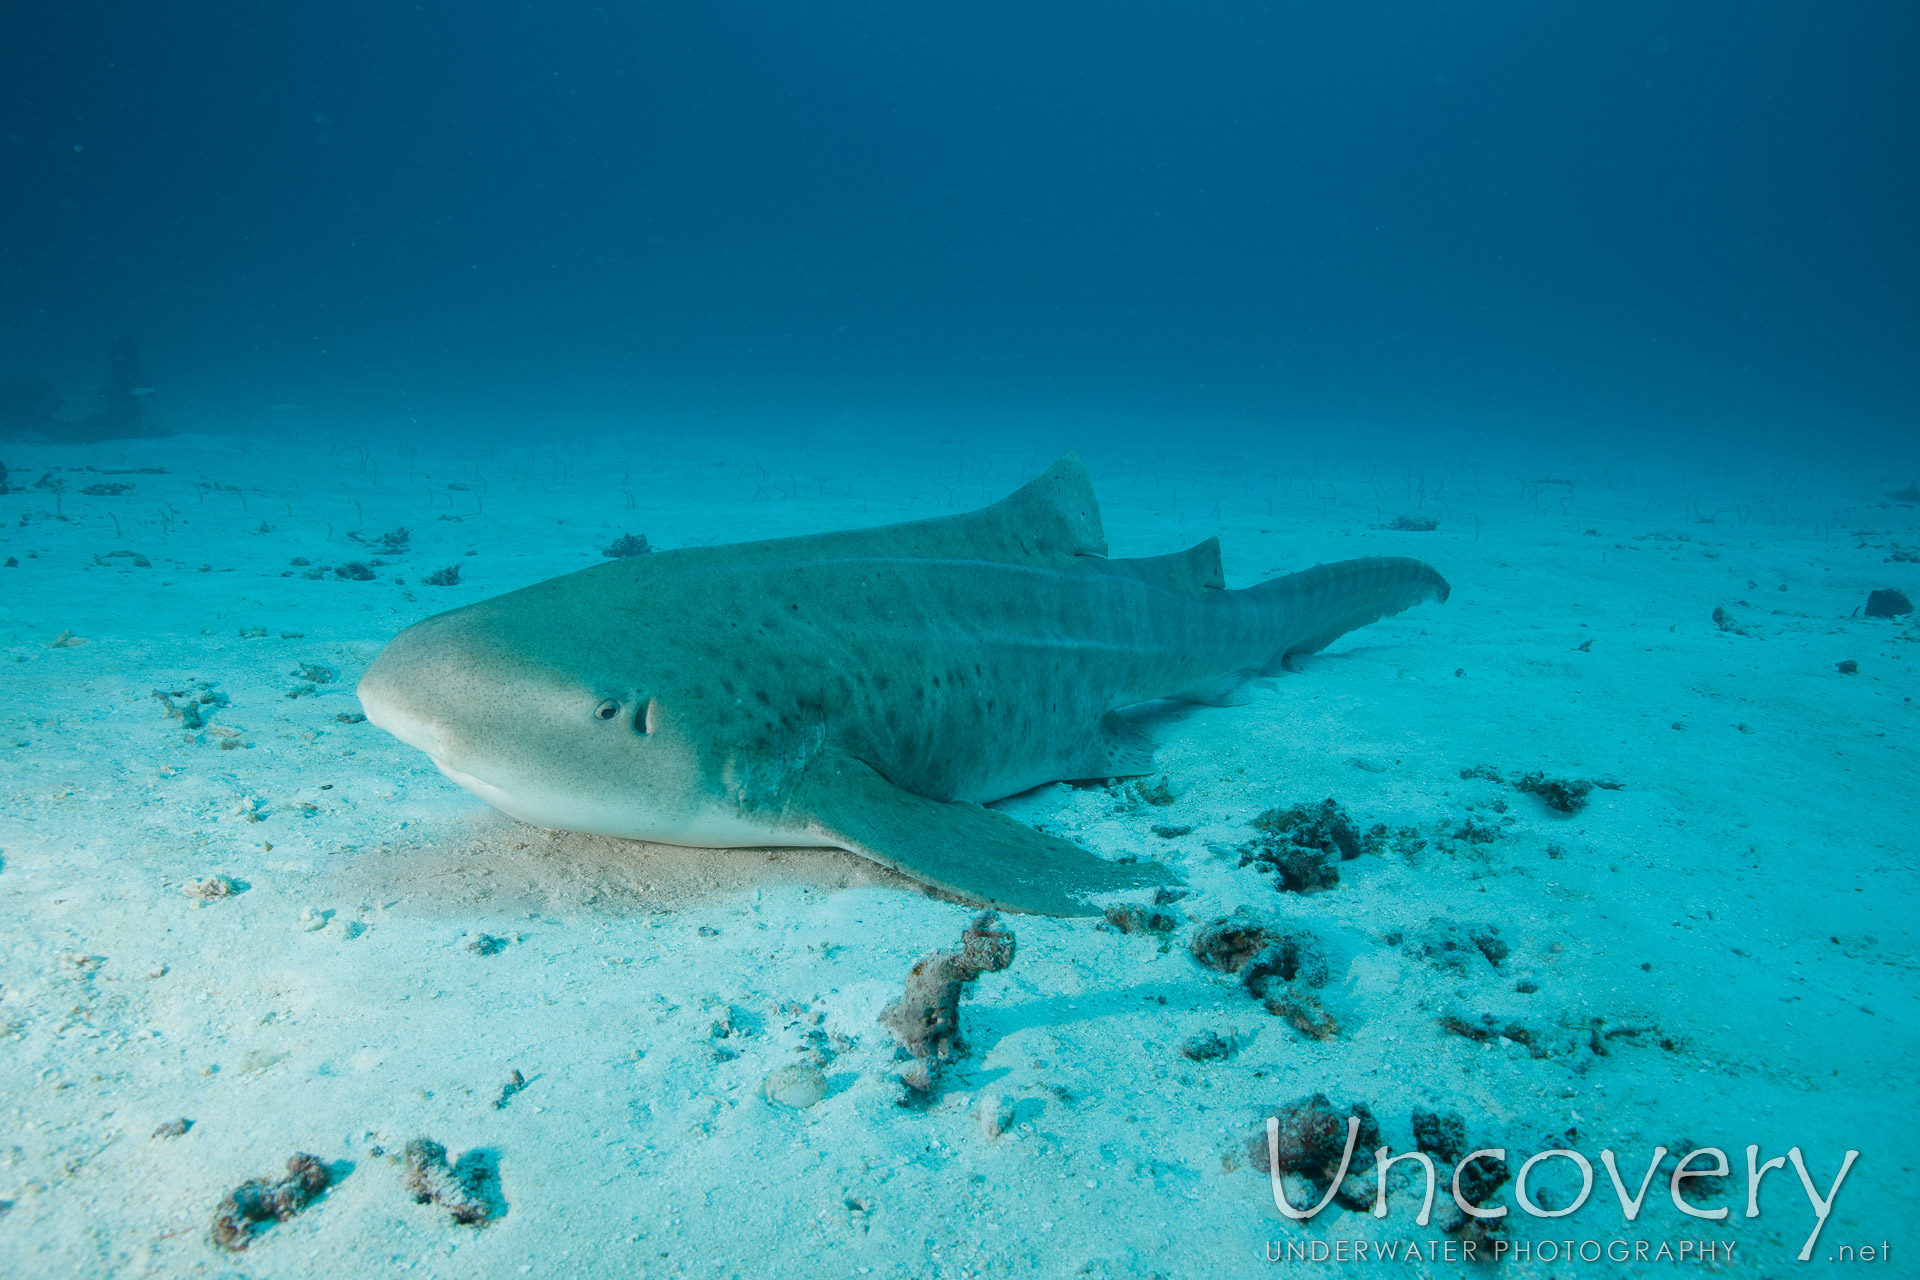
974	853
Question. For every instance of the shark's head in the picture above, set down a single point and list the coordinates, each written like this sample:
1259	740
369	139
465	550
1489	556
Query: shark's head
511	700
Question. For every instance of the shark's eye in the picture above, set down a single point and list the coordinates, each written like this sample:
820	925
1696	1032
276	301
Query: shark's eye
607	709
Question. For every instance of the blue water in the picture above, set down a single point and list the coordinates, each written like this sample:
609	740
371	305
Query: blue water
1671	222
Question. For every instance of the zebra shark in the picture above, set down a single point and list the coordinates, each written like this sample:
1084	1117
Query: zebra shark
870	689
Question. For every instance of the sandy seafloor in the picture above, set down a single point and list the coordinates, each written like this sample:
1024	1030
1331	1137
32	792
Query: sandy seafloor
1741	911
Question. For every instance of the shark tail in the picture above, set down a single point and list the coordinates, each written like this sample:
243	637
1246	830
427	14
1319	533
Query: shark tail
1315	607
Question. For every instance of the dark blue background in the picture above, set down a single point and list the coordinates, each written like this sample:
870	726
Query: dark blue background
1458	217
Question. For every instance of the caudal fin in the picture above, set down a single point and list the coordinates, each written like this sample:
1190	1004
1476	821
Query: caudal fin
1321	604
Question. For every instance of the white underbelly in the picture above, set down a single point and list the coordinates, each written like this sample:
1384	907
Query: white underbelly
708	830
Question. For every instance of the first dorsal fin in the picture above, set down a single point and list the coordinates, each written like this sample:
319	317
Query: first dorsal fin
1055	513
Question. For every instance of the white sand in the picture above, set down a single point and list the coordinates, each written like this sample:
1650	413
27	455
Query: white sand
1746	898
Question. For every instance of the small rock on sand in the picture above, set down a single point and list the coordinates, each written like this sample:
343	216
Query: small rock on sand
994	1114
798	1086
211	889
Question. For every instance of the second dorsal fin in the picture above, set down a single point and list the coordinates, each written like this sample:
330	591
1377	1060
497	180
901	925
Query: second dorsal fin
1195	569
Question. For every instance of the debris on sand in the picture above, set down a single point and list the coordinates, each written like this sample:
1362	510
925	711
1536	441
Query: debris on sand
1292	955
1275	965
1230	941
1562	795
926	1018
626	546
994	1114
798	1085
464	1189
1450	946
392	543
213	888
1322	826
1728	623
1131	917
1413	524
1440	1134
1207	1046
1478	1181
1888	603
1156	793
258	1201
354	571
515	1082
1304	1013
201	701
1302	845
1405	841
1490	1028
1311	1141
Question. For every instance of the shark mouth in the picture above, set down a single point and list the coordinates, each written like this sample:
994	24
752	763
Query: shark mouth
532	808
485	790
